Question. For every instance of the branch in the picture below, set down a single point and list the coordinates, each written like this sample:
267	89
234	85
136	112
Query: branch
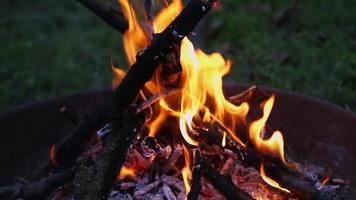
108	13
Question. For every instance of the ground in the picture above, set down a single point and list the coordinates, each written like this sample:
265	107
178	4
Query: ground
52	48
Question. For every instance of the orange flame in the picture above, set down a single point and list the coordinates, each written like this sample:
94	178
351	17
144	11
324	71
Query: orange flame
135	38
274	145
270	181
126	172
118	75
202	82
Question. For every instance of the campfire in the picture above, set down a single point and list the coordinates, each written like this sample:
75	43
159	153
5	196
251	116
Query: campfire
168	131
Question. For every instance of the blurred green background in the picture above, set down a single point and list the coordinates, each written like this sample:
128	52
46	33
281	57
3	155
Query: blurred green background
58	47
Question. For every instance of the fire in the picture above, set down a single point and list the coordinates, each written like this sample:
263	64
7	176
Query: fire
270	181
201	98
274	145
126	172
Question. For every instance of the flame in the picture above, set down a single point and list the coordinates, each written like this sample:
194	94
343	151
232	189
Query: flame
118	75
126	172
186	170
135	38
270	181
201	97
223	141
167	15
274	145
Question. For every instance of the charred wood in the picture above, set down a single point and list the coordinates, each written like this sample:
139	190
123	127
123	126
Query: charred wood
196	182
111	15
95	177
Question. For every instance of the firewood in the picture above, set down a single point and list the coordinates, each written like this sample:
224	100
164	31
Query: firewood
139	73
196	182
111	15
289	178
95	177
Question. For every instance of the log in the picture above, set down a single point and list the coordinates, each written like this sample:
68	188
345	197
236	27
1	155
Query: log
139	73
291	179
111	15
95	177
196	174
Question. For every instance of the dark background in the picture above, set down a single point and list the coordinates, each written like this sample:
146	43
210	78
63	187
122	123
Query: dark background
58	47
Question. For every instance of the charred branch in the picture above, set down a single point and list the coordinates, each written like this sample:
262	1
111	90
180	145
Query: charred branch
95	177
196	182
111	15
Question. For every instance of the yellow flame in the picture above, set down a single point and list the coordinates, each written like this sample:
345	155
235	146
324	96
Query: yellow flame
223	141
135	38
202	82
126	172
270	181
167	15
274	145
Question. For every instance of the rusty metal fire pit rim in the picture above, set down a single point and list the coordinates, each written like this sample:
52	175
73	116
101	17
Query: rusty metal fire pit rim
62	98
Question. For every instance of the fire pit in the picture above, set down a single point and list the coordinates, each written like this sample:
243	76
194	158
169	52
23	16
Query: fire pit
316	131
169	131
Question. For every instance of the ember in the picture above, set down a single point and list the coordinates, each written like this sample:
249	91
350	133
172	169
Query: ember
169	132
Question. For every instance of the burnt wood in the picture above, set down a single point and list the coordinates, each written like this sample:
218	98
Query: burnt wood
196	182
107	12
95	177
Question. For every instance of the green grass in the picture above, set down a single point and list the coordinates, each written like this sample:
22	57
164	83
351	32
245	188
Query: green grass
314	54
51	48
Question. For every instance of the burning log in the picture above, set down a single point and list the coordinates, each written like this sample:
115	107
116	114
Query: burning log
292	179
139	73
108	13
39	189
